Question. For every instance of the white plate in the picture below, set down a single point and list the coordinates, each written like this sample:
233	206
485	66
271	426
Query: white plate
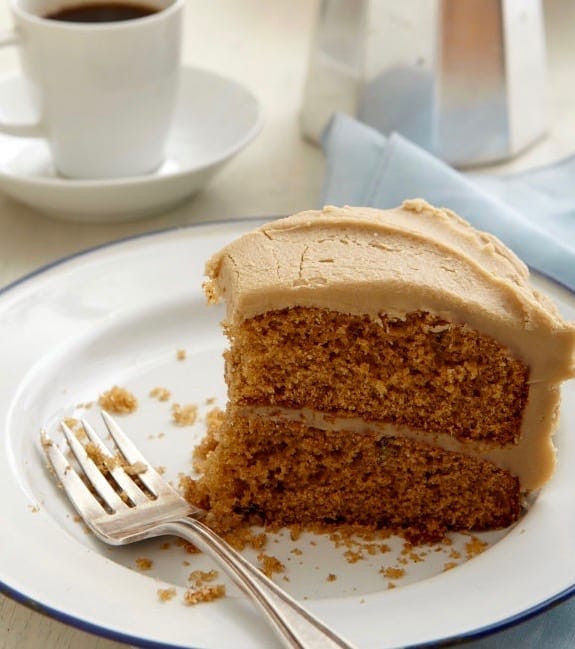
215	119
117	315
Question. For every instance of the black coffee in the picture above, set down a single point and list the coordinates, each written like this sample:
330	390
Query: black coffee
107	12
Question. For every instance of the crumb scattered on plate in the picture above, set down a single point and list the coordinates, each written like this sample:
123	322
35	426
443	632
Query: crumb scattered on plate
85	405
474	547
204	594
118	401
144	563
161	394
184	415
393	573
270	565
166	594
107	463
76	427
136	468
353	556
201	577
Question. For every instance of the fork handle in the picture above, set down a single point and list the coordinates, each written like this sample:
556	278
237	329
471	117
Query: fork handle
297	628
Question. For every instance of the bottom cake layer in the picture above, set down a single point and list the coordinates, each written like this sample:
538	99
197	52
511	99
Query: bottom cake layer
254	470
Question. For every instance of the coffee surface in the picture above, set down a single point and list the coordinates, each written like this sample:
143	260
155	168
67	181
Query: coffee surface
102	12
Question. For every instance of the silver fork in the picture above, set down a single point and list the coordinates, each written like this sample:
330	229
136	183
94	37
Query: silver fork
136	515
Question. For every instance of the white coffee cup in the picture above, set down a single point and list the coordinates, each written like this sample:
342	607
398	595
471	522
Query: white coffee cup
104	92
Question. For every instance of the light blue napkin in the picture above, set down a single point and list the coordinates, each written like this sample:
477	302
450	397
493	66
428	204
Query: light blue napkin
532	212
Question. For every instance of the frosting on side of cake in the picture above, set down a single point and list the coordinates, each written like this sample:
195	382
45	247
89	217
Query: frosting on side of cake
363	261
532	460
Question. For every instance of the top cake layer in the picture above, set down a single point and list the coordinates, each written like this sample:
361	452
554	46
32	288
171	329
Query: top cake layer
413	258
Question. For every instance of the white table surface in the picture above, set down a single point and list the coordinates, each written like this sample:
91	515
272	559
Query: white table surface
263	45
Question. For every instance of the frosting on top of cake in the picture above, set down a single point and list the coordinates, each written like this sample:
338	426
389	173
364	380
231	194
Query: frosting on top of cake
415	257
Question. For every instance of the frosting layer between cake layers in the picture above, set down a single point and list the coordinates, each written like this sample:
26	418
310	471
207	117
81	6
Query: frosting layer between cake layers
363	261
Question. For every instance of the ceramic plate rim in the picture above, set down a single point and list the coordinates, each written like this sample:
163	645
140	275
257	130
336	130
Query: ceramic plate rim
118	247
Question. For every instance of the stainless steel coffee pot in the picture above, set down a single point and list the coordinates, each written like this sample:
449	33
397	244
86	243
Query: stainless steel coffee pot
464	79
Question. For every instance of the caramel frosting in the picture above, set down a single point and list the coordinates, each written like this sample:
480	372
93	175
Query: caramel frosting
412	258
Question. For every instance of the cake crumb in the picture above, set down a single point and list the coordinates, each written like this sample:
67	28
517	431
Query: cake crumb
269	564
106	463
243	537
204	594
353	556
76	427
187	546
181	354
135	469
161	394
392	573
259	541
103	461
474	547
166	594
143	563
200	577
331	577
184	415
118	401
372	548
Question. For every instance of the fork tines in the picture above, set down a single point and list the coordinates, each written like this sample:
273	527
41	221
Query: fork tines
126	479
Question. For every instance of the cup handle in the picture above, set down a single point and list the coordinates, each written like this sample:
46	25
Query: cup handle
34	129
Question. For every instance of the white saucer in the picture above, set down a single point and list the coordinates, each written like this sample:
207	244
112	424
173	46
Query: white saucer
215	119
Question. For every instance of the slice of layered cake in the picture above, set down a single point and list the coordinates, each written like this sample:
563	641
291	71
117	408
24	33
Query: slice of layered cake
385	368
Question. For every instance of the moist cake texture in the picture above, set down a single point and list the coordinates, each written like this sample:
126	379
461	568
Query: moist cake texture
392	368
